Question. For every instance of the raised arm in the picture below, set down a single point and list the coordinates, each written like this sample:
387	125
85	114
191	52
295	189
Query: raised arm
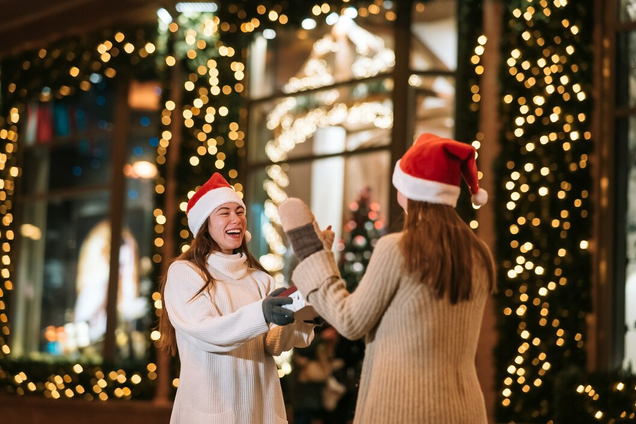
352	314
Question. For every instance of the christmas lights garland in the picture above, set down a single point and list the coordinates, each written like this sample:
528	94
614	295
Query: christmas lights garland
545	220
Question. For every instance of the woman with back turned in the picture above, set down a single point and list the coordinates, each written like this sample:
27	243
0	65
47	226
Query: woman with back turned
421	301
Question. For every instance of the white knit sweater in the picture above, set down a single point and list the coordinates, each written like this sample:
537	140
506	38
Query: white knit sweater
228	374
419	364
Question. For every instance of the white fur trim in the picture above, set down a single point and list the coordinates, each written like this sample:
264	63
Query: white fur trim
480	198
207	203
424	190
247	236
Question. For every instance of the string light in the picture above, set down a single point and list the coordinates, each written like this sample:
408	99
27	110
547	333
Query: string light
545	139
86	381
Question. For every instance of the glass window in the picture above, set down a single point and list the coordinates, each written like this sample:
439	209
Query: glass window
627	10
629	360
434	104
62	276
66	199
324	53
434	36
626	64
67	142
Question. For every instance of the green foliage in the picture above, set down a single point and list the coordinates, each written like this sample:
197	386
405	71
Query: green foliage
543	203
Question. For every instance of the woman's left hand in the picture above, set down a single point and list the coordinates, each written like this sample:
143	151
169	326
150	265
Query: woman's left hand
328	237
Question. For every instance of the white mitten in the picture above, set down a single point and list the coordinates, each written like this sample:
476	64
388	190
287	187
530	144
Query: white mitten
302	230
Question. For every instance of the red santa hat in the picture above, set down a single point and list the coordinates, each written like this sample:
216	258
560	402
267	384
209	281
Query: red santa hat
214	193
431	171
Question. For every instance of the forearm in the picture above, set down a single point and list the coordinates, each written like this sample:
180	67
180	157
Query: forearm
281	339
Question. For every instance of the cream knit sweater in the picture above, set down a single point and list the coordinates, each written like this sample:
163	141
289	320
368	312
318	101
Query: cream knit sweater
228	374
419	365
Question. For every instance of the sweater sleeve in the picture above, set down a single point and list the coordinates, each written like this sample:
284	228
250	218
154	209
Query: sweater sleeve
352	314
196	317
281	339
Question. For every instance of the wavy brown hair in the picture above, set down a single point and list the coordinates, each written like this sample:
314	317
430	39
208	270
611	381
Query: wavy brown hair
202	246
439	247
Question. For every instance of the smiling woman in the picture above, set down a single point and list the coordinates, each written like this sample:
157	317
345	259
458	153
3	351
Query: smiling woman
220	308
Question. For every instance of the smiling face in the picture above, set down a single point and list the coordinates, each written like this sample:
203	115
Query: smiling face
227	225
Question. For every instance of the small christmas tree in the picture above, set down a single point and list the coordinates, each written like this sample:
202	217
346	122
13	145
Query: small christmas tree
361	233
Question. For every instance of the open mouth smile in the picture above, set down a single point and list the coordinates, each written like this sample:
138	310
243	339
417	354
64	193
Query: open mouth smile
233	233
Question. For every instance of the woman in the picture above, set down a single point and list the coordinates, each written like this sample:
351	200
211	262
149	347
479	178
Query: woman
218	314
421	300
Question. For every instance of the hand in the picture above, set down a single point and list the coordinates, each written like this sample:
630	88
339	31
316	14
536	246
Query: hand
273	310
328	237
301	228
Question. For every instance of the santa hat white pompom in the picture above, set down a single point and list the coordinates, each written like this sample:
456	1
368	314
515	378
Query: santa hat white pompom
481	198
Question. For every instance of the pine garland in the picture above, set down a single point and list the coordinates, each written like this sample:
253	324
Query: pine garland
543	202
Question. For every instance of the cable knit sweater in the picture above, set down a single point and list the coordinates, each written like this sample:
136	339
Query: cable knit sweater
419	364
228	374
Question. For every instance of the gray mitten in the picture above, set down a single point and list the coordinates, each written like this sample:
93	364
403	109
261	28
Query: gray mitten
302	230
273	310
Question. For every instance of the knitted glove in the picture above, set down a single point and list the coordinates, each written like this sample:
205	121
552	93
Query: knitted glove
302	230
273	310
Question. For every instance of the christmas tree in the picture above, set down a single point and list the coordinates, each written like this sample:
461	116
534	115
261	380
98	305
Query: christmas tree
361	233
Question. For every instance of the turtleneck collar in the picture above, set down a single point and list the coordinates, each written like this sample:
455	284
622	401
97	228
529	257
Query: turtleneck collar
233	266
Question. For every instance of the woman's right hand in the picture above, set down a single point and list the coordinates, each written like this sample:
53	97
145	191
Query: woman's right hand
273	310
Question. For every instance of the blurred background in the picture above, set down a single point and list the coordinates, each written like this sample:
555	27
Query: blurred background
113	112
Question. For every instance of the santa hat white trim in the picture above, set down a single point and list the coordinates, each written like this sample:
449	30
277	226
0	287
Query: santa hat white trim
211	200
424	190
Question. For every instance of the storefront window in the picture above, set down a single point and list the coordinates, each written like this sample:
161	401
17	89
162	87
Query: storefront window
64	268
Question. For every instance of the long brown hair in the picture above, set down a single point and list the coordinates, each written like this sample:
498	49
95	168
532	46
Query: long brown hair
438	246
202	246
